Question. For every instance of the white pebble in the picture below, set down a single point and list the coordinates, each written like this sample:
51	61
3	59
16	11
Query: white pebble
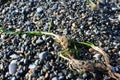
97	56
32	66
13	67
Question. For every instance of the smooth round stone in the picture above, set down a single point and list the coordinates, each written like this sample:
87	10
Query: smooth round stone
119	53
97	56
39	10
102	1
46	28
118	17
61	77
55	78
9	27
1	66
44	37
24	36
65	31
42	55
2	36
84	75
32	66
36	62
70	75
13	67
13	78
39	41
14	56
28	23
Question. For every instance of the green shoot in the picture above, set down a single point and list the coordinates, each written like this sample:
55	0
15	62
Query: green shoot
60	39
87	43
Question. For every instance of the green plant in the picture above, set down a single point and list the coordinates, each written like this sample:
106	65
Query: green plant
67	50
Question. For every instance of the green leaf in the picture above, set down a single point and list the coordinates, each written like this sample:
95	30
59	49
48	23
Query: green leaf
87	43
64	52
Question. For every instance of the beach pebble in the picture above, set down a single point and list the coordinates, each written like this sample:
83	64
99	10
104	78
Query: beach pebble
42	55
13	67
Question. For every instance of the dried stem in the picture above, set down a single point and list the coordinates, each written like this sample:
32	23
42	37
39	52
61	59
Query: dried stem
111	74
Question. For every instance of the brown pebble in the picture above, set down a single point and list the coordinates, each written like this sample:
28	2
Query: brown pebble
34	78
46	75
30	71
91	50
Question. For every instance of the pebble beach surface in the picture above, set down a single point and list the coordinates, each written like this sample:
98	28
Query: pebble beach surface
33	57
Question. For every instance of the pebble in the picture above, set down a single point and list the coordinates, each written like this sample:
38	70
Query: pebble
102	1
1	66
28	23
97	56
39	10
119	17
32	66
55	78
14	56
114	69
84	76
24	36
2	36
42	55
39	41
13	78
46	28
13	67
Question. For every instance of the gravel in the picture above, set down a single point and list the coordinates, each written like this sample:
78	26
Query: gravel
28	57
